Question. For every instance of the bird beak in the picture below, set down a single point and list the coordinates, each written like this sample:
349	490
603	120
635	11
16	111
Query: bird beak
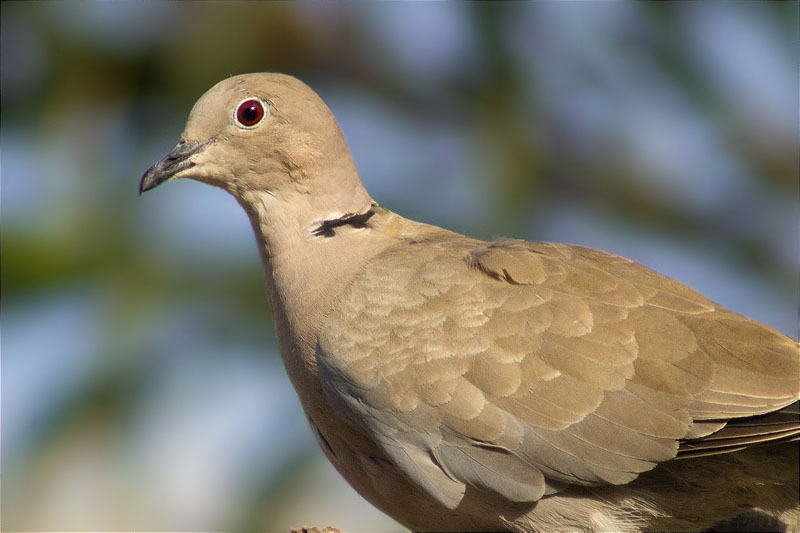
171	164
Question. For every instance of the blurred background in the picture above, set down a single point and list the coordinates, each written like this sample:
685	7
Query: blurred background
141	386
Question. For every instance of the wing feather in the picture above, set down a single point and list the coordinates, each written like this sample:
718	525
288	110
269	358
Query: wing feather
520	367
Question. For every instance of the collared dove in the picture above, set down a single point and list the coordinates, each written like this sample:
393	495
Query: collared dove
510	385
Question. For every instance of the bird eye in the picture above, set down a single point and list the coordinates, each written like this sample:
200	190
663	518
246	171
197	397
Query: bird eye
250	112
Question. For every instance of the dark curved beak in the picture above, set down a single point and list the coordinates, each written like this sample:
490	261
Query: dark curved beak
172	163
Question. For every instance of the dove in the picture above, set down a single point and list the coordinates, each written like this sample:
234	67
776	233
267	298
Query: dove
464	385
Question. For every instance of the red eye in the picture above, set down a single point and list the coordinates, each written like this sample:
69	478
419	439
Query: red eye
250	112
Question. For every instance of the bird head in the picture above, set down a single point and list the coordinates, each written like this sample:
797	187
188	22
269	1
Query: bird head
262	132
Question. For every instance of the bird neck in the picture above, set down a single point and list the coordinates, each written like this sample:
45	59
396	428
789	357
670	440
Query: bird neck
308	260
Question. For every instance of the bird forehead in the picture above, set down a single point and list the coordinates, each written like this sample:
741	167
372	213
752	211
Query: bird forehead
214	110
210	115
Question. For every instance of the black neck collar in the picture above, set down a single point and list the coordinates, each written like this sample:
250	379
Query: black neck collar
356	220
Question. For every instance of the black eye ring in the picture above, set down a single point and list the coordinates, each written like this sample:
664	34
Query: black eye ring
250	112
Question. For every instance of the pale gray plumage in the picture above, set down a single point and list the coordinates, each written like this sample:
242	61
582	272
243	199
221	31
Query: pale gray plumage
465	385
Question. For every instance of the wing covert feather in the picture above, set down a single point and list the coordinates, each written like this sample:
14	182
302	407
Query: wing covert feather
520	367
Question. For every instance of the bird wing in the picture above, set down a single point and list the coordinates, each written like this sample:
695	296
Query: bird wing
523	367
